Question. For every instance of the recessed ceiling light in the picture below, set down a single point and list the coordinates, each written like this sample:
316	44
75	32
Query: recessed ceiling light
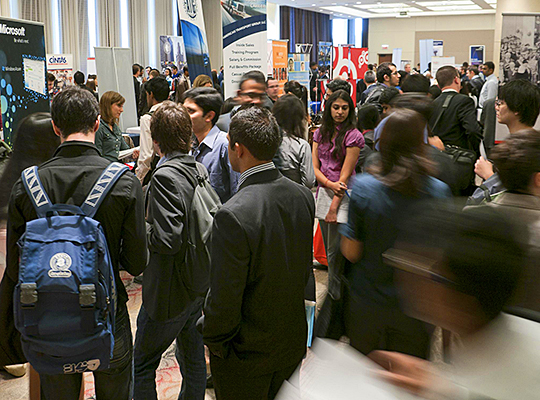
358	2
313	5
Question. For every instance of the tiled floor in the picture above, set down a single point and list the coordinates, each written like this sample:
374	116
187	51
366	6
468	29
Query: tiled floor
168	375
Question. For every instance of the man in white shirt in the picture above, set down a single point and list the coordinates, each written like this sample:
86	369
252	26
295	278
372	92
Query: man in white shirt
157	91
490	88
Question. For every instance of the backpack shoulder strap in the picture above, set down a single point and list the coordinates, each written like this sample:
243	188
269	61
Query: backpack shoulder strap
444	107
102	186
36	192
180	167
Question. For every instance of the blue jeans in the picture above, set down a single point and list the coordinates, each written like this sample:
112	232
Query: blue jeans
111	384
153	338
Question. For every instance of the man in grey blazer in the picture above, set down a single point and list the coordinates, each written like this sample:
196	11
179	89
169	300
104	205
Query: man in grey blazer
255	319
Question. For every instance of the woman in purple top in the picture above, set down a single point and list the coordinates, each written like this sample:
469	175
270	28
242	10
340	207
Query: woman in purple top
336	147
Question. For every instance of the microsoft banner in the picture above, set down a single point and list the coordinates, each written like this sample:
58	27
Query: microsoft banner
244	40
194	34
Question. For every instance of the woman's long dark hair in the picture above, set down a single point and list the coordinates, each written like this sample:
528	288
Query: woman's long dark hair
34	143
328	127
290	115
299	90
403	164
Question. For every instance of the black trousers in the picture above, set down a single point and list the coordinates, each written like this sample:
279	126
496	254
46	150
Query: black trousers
230	384
375	326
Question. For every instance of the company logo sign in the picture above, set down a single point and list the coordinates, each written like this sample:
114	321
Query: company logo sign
57	60
190	6
10	30
60	264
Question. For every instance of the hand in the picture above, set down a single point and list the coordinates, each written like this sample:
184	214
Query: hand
331	217
338	188
436	142
483	168
402	370
135	154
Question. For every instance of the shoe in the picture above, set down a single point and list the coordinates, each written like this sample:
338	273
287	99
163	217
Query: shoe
16	370
209	381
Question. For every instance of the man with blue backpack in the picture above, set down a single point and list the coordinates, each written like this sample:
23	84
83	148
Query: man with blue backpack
71	223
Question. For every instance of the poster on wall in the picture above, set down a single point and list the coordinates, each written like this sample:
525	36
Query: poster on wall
350	62
172	52
23	87
244	40
279	62
61	66
438	62
476	54
324	55
438	47
194	35
298	68
520	45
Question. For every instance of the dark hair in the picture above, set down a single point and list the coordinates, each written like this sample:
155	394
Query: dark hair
445	75
208	99
312	63
339	84
50	77
370	77
403	164
270	78
185	69
257	129
328	126
473	69
465	64
135	68
384	69
518	159
78	78
290	114
416	83
368	117
434	91
370	67
159	87
174	67
256	76
202	80
154	73
402	76
418	102
388	94
522	97
170	128
91	84
34	143
490	64
299	90
214	77
74	110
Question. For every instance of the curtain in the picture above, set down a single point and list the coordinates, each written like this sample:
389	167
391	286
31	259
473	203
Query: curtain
108	23
138	27
4	8
214	32
74	20
350	32
39	11
365	32
302	26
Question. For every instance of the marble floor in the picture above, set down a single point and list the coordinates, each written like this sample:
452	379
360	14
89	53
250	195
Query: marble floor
168	375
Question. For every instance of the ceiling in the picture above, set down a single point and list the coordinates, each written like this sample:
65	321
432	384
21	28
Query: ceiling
393	8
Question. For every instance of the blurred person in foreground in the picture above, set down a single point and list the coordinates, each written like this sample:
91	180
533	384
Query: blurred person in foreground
254	321
379	201
517	107
458	271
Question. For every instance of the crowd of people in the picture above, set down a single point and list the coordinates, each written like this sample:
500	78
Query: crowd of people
392	169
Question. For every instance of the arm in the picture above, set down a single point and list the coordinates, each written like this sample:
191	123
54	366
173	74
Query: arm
233	175
352	249
146	152
98	141
321	178
230	258
351	158
306	166
16	226
467	119
166	215
133	252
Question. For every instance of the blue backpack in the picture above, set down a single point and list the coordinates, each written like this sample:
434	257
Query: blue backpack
64	302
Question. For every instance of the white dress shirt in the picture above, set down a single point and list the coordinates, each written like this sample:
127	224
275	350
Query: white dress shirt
146	152
489	90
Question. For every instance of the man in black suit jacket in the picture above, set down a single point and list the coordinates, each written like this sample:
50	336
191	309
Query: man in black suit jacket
454	115
255	319
169	311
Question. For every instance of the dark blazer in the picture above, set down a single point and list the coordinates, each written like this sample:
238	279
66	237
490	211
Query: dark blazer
168	200
458	125
255	318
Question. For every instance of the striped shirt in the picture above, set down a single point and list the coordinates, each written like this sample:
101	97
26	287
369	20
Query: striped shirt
254	170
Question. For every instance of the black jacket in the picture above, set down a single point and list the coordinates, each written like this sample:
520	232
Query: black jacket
168	200
457	125
68	178
255	318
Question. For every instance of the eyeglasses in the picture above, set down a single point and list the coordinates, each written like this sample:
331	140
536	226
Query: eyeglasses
253	95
